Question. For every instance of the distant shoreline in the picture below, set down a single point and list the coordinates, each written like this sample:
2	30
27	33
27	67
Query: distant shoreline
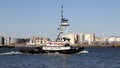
101	46
12	46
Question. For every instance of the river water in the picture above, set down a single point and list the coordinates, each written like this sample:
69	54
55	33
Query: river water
97	57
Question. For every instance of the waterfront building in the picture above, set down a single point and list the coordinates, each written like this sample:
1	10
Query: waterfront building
30	42
76	38
7	40
89	38
118	39
72	38
18	41
45	40
81	38
42	41
1	40
113	39
33	39
38	42
98	40
13	41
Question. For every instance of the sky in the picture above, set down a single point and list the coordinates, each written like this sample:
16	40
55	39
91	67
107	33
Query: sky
27	18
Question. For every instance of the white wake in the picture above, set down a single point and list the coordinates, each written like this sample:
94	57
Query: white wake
10	53
84	51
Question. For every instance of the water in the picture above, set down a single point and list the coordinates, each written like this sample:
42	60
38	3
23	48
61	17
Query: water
97	57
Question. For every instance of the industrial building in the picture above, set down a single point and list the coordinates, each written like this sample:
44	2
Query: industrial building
7	40
89	38
82	38
113	39
37	41
17	41
42	41
1	40
32	41
72	38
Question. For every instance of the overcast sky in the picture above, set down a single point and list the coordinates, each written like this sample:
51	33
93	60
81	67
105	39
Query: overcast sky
26	18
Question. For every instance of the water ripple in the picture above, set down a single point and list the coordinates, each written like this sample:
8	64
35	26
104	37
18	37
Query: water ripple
98	57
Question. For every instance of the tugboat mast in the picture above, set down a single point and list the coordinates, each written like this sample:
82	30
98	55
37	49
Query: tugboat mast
63	28
61	11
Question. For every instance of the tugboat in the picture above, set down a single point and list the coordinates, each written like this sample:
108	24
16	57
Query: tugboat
60	45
